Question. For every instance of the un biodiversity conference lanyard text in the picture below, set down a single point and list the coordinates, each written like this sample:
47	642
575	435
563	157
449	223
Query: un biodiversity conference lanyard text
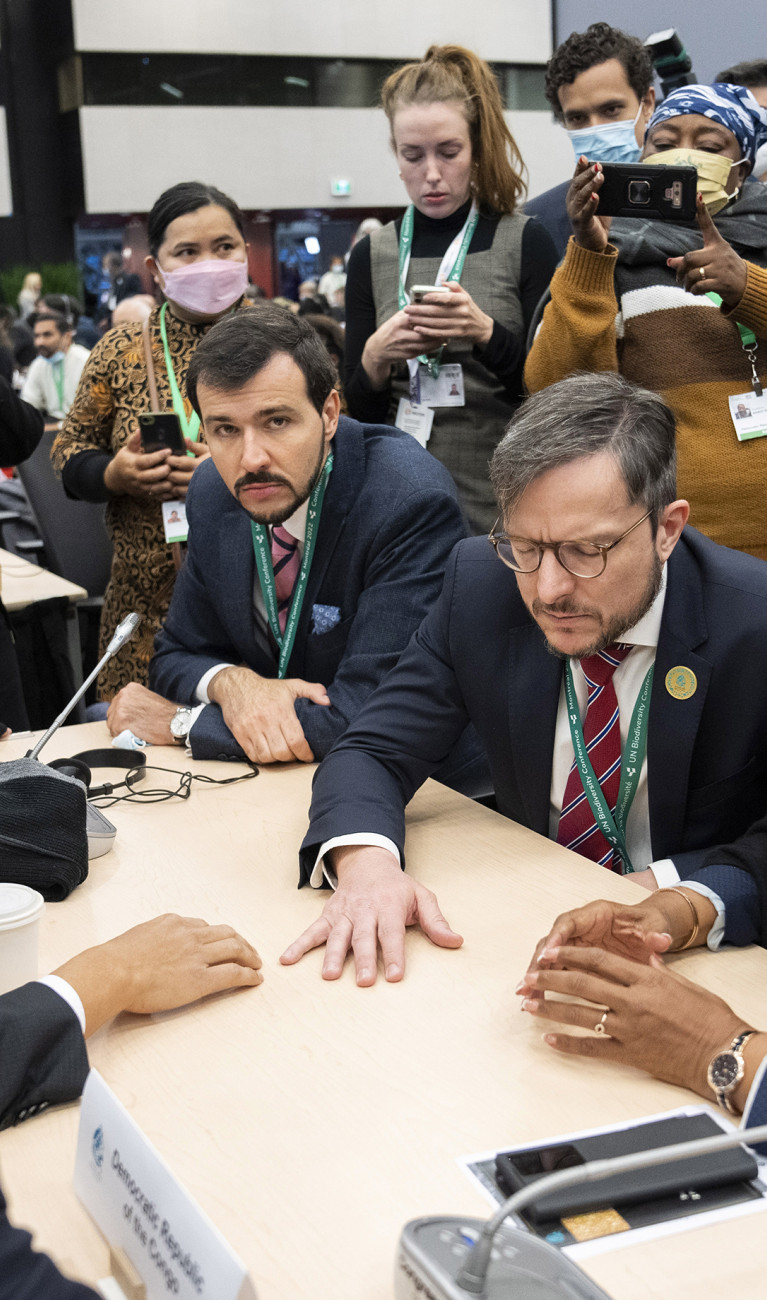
265	570
189	427
632	758
454	260
58	379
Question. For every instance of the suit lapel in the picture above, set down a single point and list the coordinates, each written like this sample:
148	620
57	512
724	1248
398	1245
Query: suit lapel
342	490
674	722
535	678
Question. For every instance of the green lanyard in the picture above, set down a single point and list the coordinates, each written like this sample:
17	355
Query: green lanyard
748	343
265	570
613	829
405	246
189	427
58	379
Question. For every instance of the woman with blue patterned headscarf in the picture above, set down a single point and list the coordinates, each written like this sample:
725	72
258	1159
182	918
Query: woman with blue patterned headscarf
633	295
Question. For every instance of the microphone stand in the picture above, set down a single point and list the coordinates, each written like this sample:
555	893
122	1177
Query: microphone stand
123	634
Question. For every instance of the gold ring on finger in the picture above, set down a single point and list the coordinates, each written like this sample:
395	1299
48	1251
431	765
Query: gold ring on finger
702	270
600	1028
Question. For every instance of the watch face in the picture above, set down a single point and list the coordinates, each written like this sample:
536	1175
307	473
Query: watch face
179	723
724	1070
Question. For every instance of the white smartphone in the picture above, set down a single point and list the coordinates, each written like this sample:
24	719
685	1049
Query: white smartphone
418	291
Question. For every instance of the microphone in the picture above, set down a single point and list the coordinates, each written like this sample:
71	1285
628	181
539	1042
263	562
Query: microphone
523	1264
122	635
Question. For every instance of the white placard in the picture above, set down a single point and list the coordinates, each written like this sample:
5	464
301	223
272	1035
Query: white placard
134	1199
414	419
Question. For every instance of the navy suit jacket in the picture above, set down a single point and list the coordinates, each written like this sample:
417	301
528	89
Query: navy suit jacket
389	521
479	656
43	1062
551	210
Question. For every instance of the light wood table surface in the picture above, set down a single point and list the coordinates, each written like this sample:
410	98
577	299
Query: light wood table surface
22	583
312	1119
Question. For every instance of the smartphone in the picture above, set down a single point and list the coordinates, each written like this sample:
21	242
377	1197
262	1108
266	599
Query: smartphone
641	190
517	1169
160	431
418	291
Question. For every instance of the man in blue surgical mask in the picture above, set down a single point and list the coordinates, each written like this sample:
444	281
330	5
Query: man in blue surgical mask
52	379
599	84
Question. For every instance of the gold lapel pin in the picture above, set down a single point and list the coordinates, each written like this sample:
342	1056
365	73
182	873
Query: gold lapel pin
681	682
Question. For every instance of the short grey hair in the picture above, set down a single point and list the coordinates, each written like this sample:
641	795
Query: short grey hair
582	416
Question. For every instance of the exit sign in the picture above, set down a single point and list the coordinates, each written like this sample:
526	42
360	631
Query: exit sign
340	189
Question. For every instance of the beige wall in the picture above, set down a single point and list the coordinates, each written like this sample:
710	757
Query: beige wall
509	31
269	157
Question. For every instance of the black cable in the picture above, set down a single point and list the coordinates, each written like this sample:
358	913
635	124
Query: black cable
161	796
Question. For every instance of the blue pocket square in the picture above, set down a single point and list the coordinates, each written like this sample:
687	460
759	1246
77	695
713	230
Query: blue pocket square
324	618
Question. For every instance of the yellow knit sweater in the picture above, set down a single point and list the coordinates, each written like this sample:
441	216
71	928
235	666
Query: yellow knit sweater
682	346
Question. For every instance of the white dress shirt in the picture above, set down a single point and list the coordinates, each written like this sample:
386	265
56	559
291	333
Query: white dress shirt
296	526
40	387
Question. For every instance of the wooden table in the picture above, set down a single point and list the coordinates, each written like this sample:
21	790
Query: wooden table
23	584
312	1119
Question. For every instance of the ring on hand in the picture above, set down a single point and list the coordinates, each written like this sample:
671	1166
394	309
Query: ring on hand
702	270
600	1028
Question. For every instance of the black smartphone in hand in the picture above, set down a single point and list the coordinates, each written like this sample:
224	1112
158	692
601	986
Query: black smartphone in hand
641	190
161	431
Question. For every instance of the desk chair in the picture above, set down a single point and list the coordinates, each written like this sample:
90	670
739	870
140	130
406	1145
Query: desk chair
77	545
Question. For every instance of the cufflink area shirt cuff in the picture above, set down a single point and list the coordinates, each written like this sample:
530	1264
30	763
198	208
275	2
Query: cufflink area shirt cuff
201	691
322	872
69	995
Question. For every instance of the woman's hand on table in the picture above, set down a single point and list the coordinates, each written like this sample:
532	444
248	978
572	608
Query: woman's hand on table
441	317
655	1019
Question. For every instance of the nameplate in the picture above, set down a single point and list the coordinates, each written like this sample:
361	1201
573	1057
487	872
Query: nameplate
142	1210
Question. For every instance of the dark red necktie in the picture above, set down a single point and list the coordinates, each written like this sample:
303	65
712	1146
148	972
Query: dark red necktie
602	735
285	562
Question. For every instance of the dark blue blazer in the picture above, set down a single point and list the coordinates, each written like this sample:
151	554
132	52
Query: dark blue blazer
43	1062
550	209
479	656
389	521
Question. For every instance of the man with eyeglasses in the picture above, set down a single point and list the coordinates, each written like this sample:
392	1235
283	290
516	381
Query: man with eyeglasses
613	665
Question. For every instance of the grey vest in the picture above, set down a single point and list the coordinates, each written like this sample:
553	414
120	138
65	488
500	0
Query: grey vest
462	437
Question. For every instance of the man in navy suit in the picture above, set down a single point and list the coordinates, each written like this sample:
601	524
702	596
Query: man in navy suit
375	545
164	963
598	563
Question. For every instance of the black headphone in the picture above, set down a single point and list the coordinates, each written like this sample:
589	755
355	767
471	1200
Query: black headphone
79	767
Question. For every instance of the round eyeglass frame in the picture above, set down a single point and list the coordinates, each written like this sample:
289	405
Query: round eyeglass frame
495	538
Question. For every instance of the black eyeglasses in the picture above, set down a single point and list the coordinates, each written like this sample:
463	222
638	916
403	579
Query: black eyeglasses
581	559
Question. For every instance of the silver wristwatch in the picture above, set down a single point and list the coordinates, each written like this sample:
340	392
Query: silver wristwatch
727	1069
181	724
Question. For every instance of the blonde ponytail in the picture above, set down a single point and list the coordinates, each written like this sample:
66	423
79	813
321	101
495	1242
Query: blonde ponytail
449	73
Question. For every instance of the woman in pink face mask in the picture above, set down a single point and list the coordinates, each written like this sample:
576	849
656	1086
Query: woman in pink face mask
198	260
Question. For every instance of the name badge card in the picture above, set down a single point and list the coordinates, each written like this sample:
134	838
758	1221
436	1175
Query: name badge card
444	389
132	1196
749	415
174	521
415	419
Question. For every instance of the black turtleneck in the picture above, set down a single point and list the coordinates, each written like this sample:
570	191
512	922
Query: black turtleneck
504	355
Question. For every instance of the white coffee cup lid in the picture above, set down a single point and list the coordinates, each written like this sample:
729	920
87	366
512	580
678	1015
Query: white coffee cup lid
19	905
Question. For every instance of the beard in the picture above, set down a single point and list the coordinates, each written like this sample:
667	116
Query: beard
277	514
612	626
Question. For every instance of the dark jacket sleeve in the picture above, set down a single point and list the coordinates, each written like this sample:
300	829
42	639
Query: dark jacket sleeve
410	550
749	855
25	1274
44	1061
403	734
363	401
21	426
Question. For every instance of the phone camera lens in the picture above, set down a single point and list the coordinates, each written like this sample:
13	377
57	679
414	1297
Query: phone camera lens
639	193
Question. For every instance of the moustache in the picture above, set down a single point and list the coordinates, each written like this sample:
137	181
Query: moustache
563	606
258	480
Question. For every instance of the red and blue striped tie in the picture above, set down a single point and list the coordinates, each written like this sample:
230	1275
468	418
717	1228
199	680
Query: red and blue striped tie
602	735
285	563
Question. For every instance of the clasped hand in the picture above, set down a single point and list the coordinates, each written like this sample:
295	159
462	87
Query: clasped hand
260	713
136	473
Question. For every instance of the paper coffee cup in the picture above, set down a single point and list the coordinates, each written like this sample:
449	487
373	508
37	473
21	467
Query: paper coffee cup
20	912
